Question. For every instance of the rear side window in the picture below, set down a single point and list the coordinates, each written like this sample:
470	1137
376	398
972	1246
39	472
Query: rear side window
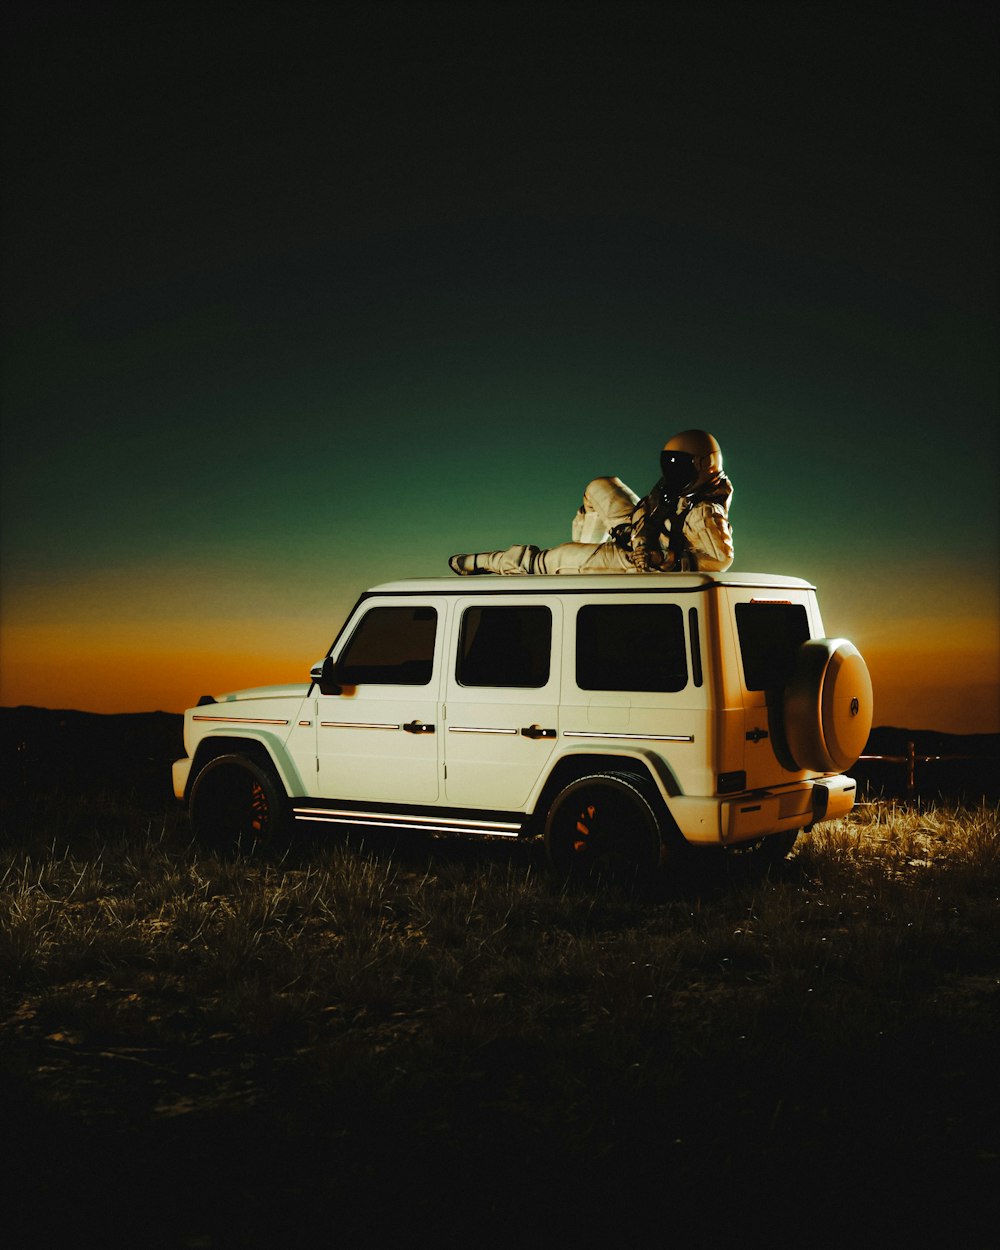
631	647
390	646
770	634
505	646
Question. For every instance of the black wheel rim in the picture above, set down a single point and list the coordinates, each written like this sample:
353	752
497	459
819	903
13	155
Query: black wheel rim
237	809
258	811
602	831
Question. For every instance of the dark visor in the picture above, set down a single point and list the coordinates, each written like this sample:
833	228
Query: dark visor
678	470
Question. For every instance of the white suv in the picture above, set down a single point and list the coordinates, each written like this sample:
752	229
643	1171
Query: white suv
619	716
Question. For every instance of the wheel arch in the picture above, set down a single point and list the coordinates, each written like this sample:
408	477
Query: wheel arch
262	748
570	767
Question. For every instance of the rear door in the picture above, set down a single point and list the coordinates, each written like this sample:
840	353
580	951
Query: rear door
502	699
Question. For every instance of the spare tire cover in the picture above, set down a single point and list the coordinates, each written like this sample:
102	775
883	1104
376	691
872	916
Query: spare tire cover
828	705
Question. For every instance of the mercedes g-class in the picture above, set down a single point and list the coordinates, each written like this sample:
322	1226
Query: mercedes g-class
619	717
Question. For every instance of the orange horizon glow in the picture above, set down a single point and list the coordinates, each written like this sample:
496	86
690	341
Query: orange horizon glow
933	683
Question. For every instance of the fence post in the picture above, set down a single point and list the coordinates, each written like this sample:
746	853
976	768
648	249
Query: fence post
911	768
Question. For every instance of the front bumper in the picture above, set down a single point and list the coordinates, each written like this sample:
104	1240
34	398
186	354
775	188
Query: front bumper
180	771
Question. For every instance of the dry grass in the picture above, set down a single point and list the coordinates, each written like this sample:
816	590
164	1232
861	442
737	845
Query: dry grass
438	1033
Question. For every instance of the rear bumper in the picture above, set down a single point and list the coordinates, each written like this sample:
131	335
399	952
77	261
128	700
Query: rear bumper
794	808
833	797
714	822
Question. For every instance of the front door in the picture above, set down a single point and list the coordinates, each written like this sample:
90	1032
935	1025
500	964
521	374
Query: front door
378	740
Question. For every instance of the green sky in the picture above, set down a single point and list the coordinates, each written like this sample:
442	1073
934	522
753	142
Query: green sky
279	327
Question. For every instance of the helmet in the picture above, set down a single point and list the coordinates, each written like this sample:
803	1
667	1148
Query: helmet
689	461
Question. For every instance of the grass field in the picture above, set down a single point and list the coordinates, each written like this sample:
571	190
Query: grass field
364	1042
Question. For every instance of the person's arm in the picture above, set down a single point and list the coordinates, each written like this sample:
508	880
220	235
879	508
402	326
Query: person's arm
710	537
647	525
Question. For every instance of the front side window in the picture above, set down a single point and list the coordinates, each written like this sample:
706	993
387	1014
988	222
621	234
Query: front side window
770	634
390	646
505	646
631	647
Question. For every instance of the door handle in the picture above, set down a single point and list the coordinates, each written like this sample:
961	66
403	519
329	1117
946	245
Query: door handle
755	735
418	727
536	731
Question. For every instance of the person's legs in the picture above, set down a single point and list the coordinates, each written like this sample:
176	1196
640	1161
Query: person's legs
583	558
607	502
512	560
566	558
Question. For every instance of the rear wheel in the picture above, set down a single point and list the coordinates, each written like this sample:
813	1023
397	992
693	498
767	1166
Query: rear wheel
605	826
237	803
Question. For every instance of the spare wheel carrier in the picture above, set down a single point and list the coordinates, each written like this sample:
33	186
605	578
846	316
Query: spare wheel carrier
828	705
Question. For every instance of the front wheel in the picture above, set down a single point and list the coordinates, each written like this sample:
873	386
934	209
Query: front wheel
605	826
237	803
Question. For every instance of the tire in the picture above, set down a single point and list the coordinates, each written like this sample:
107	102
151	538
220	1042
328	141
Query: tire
605	826
237	803
827	706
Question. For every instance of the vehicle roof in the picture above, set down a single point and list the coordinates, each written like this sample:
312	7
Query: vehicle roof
495	583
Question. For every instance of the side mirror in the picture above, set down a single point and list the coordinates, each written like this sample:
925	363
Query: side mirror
324	676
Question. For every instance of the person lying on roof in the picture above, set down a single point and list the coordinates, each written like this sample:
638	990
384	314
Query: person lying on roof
681	524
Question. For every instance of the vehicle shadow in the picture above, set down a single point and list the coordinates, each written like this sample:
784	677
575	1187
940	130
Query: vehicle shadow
698	873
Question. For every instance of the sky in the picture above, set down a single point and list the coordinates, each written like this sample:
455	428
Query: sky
302	298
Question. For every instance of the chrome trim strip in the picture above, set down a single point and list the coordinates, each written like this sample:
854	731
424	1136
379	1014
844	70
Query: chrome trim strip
353	724
590	733
392	820
242	720
355	813
478	729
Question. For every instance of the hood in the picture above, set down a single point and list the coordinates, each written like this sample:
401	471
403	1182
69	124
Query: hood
296	691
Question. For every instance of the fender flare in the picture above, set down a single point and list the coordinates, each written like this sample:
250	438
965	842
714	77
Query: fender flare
587	759
224	741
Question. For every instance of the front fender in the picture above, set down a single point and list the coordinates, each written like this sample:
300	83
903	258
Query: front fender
221	741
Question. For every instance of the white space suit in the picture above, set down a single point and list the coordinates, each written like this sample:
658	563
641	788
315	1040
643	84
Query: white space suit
683	523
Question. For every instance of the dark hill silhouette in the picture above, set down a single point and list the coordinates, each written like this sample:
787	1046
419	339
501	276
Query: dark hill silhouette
950	766
891	740
90	751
